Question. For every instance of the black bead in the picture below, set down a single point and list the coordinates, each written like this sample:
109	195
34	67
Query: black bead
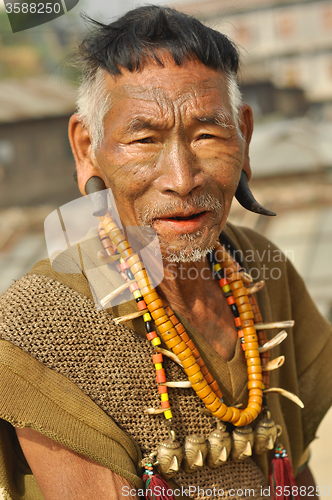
139	299
235	310
130	274
149	327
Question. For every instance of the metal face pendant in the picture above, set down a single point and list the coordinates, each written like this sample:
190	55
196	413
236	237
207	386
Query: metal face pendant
243	440
266	434
169	456
219	445
195	451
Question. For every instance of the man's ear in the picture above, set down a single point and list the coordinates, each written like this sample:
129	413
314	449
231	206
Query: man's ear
246	124
80	142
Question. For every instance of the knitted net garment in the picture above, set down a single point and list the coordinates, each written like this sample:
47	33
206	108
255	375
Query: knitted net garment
112	365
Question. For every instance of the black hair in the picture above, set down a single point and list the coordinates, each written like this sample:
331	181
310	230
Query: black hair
143	33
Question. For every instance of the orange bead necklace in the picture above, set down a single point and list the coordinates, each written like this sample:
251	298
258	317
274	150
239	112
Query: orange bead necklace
246	314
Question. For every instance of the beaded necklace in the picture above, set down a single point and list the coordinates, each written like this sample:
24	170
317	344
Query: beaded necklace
250	329
175	337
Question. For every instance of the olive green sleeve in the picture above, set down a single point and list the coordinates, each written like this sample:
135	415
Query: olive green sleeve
32	395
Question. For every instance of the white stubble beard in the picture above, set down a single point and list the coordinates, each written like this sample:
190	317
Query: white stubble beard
190	253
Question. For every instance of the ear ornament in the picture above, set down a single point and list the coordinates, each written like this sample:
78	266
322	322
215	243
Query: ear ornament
245	197
95	188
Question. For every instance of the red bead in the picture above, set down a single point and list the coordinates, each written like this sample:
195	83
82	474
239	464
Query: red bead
157	358
133	287
214	386
223	282
162	389
230	300
184	336
200	362
124	266
151	335
160	376
237	321
174	319
141	305
165	404
179	328
204	370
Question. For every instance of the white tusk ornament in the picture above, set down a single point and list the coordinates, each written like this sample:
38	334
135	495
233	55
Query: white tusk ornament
277	324
286	394
169	354
256	287
128	317
280	337
183	384
115	293
274	364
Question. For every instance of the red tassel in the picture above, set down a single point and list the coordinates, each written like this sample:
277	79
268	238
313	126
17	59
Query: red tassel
282	482
155	486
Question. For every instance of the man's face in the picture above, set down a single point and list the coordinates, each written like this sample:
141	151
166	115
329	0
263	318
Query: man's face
171	153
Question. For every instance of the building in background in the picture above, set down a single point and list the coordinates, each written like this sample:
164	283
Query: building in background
285	42
36	163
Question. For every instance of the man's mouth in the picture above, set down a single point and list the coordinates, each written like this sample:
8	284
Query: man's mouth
182	223
183	217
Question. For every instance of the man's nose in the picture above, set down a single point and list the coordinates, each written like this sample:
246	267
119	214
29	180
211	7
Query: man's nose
179	170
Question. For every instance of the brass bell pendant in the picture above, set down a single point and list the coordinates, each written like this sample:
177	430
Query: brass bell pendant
195	451
266	434
219	446
169	456
243	441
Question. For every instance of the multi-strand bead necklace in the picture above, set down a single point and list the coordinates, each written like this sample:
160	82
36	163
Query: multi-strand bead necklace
248	323
246	315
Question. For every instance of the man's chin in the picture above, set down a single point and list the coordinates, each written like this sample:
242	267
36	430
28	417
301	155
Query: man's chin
189	249
187	255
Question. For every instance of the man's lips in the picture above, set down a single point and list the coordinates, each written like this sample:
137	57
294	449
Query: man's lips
182	223
187	214
179	216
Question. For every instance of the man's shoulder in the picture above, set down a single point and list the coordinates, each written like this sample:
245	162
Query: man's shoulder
39	300
247	238
74	278
249	247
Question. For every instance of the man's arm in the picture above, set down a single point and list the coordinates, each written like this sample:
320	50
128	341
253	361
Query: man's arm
63	474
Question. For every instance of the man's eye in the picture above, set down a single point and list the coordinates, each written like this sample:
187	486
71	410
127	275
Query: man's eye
144	140
206	136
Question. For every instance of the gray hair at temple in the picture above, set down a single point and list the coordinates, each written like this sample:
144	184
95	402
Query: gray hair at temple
137	38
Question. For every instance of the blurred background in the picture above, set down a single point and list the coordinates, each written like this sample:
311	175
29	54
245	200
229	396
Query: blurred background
286	76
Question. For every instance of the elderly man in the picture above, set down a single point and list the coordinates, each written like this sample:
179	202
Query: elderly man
161	124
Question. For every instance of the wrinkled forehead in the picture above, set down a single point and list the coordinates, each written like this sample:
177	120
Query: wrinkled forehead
173	86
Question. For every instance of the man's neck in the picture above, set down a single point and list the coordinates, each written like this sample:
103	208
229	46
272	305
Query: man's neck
192	291
185	284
